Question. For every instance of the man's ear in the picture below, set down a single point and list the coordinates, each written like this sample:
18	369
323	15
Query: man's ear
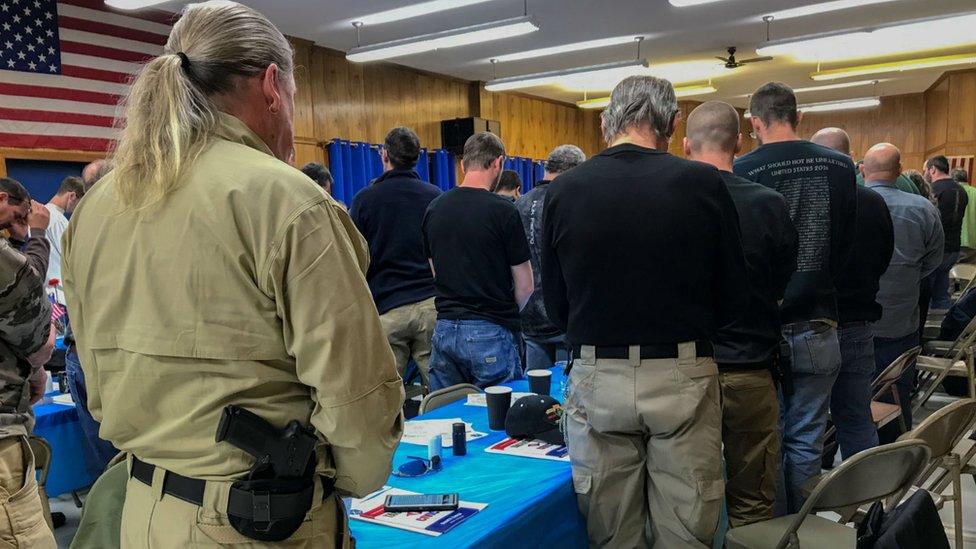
738	144
500	163
269	86
799	118
686	147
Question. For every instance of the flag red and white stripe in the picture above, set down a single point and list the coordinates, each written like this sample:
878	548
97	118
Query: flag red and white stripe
964	163
100	51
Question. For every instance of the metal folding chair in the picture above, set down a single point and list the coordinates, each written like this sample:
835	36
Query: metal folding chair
883	473
883	413
445	396
940	359
942	431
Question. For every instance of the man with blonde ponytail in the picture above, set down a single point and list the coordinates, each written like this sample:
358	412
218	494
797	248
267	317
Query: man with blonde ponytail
203	272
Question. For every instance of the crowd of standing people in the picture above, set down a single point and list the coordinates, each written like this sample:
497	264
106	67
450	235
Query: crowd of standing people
715	308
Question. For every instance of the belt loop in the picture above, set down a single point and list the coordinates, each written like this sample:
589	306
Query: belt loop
687	352
158	480
634	352
587	353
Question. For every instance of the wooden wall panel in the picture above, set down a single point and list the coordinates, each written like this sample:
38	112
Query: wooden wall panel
962	105
900	120
936	115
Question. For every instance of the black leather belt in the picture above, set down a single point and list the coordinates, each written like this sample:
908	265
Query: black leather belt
647	352
259	507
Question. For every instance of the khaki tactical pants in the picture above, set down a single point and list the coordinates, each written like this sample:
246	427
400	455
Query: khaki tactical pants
22	522
645	440
750	434
409	328
152	519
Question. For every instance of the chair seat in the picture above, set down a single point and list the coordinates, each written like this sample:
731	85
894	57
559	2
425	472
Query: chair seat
936	347
813	533
936	365
883	412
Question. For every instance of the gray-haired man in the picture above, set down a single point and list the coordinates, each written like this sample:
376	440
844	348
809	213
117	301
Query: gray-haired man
544	342
642	264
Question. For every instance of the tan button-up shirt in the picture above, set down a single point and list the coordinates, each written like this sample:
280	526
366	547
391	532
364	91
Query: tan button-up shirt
245	286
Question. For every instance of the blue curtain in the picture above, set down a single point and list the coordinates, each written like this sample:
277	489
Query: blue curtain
530	171
354	164
444	170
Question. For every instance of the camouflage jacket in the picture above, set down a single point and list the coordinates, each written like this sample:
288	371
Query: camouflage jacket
25	324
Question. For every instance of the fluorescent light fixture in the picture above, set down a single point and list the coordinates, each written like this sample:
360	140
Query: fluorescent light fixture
605	77
133	4
609	73
601	102
415	10
474	34
838	86
823	7
686	3
912	36
842	105
576	46
896	66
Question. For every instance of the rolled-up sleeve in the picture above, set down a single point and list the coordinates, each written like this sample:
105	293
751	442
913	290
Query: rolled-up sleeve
25	323
331	327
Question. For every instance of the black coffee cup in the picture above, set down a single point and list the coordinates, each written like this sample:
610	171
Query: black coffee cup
540	381
499	399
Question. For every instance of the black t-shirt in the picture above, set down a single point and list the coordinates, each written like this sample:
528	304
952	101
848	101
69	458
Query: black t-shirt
857	285
769	243
819	186
389	213
641	247
474	238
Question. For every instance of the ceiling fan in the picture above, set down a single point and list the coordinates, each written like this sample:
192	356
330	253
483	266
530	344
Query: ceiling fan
731	63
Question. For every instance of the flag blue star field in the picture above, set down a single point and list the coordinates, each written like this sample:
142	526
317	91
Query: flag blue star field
64	67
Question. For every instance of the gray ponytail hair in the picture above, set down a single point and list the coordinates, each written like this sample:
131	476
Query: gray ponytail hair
171	113
639	100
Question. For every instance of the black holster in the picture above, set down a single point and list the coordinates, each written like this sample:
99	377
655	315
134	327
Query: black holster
783	368
272	509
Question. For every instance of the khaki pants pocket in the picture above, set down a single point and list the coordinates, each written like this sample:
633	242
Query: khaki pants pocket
22	521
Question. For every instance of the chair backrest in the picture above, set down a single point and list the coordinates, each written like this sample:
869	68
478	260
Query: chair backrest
963	342
963	271
893	372
445	396
942	430
871	475
42	457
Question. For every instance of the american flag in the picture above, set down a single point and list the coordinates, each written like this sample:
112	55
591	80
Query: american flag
964	163
57	310
64	66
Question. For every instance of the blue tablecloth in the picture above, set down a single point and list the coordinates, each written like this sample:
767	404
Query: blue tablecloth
58	424
531	502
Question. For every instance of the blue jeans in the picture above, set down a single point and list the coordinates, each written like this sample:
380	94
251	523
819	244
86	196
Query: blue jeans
472	351
815	361
850	399
97	452
940	281
542	353
886	350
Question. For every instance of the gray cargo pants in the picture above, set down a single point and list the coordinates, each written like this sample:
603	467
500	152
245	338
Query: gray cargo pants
645	440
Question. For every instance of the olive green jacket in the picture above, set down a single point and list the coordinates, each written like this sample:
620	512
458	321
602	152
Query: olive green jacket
245	285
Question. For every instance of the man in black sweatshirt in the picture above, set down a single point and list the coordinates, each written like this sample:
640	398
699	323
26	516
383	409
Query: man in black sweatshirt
747	349
952	202
389	213
819	186
642	264
858	310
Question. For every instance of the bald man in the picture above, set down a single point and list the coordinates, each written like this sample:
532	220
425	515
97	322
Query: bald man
747	349
857	310
919	241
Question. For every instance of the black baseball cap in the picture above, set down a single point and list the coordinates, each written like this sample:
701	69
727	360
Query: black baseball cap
535	417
